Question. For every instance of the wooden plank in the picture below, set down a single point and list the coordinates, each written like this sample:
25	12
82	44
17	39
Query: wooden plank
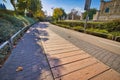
86	73
57	43
53	46
68	54
62	50
108	75
59	48
72	67
53	41
68	59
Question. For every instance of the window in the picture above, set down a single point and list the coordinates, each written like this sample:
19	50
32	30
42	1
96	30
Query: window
107	10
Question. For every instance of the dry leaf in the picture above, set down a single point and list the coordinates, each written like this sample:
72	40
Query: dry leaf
19	69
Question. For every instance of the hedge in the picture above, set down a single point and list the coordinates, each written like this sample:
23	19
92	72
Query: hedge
10	24
109	26
109	30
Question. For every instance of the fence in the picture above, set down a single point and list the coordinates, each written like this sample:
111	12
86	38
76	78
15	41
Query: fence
6	47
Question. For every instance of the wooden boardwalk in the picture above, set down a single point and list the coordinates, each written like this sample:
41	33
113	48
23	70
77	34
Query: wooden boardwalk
68	62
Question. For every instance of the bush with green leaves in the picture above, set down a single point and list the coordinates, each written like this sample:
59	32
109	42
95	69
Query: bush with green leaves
78	28
6	30
13	20
112	26
98	30
26	19
117	33
108	30
10	24
109	26
100	34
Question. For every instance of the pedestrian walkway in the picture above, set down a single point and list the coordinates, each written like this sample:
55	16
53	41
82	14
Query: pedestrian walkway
108	53
29	55
68	62
46	56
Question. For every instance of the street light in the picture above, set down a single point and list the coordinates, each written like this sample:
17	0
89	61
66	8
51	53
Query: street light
87	8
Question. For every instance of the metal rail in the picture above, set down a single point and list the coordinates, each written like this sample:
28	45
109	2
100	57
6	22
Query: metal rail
5	43
7	46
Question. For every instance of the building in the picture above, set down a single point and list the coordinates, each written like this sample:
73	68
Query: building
109	10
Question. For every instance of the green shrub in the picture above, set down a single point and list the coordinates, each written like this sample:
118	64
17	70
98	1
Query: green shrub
6	30
71	24
9	12
112	26
97	34
98	30
78	28
13	20
102	29
9	25
26	19
109	26
65	26
23	19
103	35
117	33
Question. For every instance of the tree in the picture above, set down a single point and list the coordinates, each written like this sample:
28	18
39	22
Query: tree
40	15
13	3
22	5
35	6
90	13
29	5
58	14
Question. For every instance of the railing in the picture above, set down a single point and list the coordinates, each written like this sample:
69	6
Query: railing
117	38
6	47
4	50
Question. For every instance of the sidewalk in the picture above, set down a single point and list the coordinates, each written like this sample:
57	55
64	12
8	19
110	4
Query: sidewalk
108	53
71	63
66	61
29	55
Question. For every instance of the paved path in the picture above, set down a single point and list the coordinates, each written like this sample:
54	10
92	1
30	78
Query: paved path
105	50
59	59
68	62
28	54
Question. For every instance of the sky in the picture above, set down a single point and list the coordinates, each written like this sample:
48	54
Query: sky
7	4
67	5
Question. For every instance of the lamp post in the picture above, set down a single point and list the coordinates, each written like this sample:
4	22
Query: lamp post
87	8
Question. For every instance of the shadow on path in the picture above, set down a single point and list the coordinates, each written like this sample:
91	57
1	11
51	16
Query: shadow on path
29	54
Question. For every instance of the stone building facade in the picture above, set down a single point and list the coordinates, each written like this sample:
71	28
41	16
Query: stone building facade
109	10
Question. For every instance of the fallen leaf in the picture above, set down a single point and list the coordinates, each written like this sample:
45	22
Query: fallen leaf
19	69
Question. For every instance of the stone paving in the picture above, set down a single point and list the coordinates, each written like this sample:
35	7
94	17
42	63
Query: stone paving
107	57
29	55
71	63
